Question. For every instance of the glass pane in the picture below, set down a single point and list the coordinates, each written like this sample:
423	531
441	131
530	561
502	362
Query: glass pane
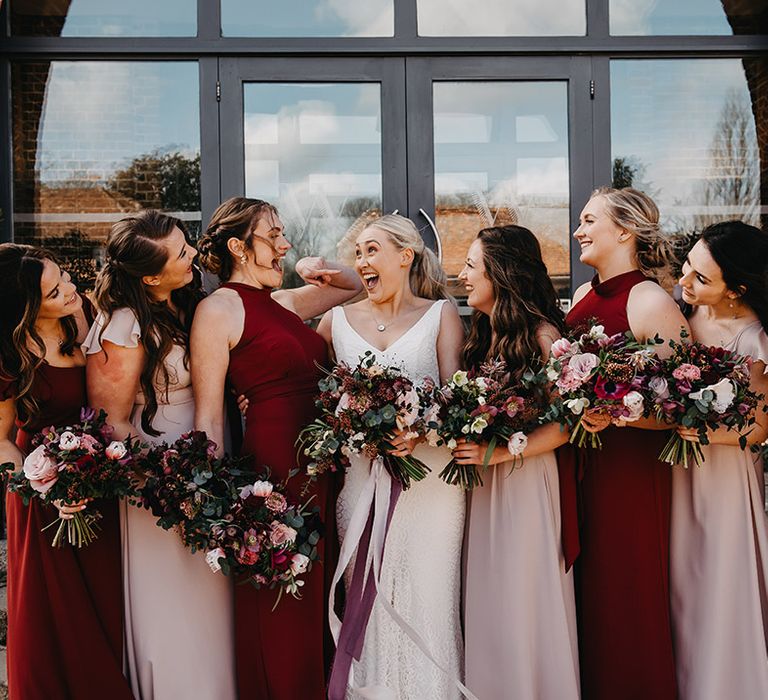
129	140
502	17
692	133
314	151
633	17
501	156
104	18
307	18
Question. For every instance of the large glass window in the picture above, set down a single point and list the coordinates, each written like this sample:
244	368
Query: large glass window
298	18
93	140
104	17
502	17
314	150
633	17
684	130
501	157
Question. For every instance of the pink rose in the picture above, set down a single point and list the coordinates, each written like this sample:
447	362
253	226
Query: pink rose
568	381
41	470
687	372
90	444
560	347
582	365
276	502
299	564
281	534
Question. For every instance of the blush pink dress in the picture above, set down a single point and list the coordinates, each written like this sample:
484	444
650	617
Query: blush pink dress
719	566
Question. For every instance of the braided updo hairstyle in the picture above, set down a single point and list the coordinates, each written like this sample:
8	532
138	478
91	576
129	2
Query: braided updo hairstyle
235	218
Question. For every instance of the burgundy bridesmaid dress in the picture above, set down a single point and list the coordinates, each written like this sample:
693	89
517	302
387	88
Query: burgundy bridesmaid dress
280	655
65	606
622	573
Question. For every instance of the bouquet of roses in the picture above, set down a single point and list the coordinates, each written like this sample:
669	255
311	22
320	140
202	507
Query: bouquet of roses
703	387
266	539
79	462
360	409
188	488
597	373
480	407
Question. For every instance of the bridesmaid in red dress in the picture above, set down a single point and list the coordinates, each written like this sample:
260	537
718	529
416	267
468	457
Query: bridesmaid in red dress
64	604
256	338
622	574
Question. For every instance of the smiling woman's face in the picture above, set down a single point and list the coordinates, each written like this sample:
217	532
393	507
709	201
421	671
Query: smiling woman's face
597	235
702	279
480	294
380	264
59	297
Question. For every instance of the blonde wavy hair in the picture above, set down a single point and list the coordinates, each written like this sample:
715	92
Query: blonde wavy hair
635	212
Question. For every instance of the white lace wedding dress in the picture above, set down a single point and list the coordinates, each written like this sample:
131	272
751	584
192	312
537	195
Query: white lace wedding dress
421	570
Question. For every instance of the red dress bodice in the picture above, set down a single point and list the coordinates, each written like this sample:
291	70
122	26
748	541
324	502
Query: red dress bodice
622	573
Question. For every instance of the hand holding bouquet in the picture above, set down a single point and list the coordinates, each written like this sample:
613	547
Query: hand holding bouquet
361	409
187	487
597	373
265	538
77	463
482	407
702	387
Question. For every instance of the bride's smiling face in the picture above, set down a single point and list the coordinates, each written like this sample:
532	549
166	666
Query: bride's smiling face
383	268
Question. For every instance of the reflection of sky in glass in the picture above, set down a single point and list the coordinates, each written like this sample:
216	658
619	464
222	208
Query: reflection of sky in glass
125	17
501	151
314	150
502	17
99	115
665	116
298	18
628	17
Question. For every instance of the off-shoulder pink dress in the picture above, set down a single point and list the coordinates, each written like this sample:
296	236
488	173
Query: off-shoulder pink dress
719	566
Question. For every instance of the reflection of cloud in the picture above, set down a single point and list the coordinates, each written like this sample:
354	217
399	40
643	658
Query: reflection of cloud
542	176
345	184
502	18
455	183
462	128
630	17
334	128
262	178
369	18
260	128
534	128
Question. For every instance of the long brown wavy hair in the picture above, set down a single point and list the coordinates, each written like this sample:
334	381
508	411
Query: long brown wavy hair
133	252
21	269
524	298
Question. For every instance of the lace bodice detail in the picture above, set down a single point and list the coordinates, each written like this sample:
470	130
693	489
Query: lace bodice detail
415	351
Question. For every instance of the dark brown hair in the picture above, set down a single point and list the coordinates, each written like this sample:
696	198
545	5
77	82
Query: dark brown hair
133	252
21	269
524	298
234	218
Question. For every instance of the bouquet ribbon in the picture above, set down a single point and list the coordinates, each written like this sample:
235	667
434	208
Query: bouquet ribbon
367	533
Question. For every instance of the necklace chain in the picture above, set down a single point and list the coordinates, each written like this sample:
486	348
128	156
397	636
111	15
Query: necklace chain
381	327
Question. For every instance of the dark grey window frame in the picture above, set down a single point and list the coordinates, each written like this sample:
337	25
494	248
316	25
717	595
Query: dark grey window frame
595	50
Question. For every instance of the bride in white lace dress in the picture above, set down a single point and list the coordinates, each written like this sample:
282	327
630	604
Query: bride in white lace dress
403	325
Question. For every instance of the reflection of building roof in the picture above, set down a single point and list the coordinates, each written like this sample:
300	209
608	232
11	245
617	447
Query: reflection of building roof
82	200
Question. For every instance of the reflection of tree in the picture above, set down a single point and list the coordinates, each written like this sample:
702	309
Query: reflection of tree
732	183
168	181
629	171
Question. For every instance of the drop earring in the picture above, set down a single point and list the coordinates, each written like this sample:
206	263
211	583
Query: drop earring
243	259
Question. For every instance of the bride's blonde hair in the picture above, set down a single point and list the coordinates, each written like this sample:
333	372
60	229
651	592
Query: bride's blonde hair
427	277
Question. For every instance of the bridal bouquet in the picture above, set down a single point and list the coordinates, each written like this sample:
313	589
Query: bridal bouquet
597	373
483	407
188	488
361	408
705	388
265	538
79	462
